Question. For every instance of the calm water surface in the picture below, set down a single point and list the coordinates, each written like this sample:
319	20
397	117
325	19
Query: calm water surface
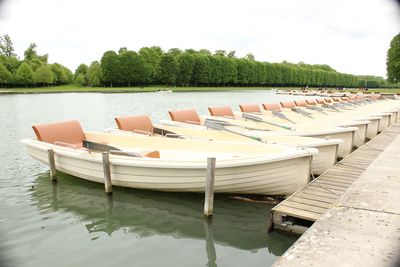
73	223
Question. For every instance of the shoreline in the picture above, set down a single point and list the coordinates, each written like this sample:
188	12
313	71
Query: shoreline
75	89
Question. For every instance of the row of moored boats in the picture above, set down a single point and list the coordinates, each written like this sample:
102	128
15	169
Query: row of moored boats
268	149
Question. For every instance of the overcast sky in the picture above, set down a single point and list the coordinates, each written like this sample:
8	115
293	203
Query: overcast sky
351	36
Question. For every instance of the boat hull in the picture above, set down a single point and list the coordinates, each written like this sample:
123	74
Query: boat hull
270	178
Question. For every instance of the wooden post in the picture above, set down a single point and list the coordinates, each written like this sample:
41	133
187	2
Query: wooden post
52	165
107	172
209	192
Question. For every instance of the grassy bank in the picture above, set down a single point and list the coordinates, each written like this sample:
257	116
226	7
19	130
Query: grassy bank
79	89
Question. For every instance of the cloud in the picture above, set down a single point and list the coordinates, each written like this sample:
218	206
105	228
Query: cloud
351	36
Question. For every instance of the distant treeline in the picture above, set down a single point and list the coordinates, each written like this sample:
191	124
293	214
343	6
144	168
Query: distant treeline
33	70
153	66
150	65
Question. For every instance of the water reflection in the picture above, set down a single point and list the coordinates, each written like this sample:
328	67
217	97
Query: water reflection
145	213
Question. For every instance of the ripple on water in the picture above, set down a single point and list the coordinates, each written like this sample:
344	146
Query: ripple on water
73	223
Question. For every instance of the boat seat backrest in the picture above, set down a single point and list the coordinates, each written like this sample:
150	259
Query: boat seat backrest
328	100
288	104
321	101
135	123
312	102
300	103
221	112
272	106
345	98
188	115
67	132
250	108
336	99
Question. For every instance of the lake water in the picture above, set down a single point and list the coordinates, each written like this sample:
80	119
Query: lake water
73	223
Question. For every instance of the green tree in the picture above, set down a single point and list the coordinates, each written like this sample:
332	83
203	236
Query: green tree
43	75
59	73
80	80
81	69
151	56
6	46
185	68
5	75
393	60
201	70
24	75
30	53
93	76
167	69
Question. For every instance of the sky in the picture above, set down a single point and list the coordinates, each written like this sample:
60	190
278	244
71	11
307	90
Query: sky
352	36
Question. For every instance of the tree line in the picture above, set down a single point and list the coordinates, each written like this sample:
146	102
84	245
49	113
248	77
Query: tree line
175	67
153	66
32	70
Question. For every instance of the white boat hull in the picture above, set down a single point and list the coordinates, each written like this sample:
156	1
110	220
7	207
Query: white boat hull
270	178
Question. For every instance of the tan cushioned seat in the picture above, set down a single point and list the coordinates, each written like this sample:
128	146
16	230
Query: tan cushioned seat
135	123
328	100
321	101
311	102
189	115
251	108
300	103
69	132
221	112
272	106
288	104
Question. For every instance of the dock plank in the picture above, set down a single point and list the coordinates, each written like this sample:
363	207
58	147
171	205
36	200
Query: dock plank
314	199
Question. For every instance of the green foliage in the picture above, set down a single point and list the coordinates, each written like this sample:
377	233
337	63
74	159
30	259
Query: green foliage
93	75
81	69
80	80
6	46
24	75
43	75
393	60
185	68
167	69
110	65
5	74
201	70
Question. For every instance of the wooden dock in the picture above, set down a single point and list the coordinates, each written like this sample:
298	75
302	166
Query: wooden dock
304	207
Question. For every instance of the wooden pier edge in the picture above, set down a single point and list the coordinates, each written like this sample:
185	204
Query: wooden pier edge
301	209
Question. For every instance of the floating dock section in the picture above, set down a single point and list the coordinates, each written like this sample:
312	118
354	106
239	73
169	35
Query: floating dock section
299	211
363	226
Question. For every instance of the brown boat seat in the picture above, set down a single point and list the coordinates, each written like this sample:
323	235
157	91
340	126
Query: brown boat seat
312	102
328	100
375	96
321	101
135	124
250	108
221	112
300	103
288	104
345	98
336	99
272	106
67	132
188	116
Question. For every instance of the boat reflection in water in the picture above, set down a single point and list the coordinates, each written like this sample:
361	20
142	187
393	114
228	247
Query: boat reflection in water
237	224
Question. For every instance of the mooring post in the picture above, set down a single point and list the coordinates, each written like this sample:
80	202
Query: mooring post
52	165
107	172
209	192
